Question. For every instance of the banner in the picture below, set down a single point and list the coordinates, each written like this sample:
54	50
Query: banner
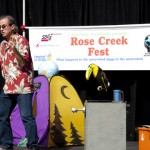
124	47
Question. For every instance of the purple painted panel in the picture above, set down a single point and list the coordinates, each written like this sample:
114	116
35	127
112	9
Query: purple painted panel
42	105
17	125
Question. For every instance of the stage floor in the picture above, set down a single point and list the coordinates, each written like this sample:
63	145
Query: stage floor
130	146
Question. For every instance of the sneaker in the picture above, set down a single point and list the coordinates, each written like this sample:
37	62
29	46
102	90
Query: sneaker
23	142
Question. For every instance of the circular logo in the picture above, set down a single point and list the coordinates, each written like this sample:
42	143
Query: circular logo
147	42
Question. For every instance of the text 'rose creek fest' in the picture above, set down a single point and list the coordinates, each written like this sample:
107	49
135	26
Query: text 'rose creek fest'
102	41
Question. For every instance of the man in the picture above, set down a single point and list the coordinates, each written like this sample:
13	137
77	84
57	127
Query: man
17	71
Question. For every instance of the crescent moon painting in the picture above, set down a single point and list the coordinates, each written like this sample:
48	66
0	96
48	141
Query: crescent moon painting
66	127
63	92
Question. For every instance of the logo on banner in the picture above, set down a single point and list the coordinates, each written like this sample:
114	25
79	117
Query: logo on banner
46	38
147	45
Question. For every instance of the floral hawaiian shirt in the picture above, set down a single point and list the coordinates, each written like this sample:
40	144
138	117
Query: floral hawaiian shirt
17	80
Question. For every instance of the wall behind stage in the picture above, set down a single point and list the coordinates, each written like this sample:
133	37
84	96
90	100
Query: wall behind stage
103	12
94	12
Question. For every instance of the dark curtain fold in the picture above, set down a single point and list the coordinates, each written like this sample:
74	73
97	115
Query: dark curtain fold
56	13
90	13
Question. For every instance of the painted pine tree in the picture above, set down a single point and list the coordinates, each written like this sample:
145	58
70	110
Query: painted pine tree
76	138
57	134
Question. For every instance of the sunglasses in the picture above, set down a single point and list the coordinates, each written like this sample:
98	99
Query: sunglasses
4	26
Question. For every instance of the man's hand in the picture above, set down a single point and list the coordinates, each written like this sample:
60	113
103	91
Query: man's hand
12	43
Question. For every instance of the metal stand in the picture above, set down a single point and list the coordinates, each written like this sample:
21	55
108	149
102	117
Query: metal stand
105	126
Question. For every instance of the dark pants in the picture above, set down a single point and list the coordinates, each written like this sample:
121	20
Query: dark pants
7	103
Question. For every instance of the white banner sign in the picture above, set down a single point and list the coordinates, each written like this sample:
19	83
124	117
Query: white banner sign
74	48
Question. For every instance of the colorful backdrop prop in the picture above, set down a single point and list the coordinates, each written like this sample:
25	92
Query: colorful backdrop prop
41	108
66	127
